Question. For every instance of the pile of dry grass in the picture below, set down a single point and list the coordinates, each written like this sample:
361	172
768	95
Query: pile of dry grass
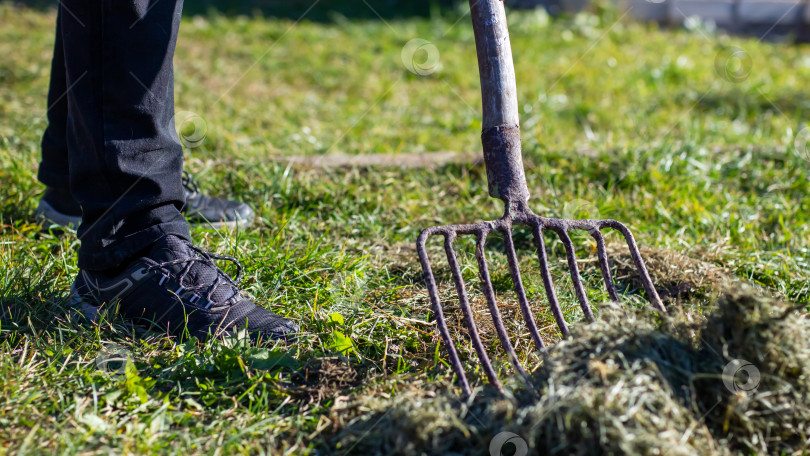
775	338
625	384
674	274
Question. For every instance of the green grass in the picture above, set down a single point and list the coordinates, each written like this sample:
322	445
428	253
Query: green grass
639	122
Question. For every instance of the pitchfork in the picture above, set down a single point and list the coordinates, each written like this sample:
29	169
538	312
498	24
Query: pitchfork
507	181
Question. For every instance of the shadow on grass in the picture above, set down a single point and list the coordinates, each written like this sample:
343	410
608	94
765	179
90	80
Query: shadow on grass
34	312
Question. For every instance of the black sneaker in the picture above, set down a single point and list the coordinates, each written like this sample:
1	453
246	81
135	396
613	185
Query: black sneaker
177	286
58	207
215	212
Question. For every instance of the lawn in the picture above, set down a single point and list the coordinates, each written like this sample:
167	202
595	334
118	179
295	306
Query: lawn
696	140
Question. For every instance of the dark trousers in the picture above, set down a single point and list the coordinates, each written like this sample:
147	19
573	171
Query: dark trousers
110	135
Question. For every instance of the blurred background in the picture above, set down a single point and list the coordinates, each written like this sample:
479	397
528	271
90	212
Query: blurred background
778	19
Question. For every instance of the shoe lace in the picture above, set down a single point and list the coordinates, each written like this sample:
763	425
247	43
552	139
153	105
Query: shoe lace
189	183
206	258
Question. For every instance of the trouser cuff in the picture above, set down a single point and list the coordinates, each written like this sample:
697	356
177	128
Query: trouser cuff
123	251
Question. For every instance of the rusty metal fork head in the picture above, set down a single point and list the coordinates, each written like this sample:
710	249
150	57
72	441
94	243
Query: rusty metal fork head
505	175
520	215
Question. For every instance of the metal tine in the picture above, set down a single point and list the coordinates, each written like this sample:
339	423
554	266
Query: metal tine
466	309
601	253
489	292
545	272
652	294
519	290
574	270
441	323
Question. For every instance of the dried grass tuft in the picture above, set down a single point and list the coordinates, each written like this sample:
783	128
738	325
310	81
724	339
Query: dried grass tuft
675	274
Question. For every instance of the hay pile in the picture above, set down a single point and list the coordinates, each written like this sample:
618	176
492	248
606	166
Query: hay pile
674	274
625	384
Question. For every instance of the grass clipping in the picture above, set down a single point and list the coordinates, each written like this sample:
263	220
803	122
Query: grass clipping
626	384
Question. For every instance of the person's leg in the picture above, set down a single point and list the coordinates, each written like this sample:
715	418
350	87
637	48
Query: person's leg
125	161
58	205
53	169
125	169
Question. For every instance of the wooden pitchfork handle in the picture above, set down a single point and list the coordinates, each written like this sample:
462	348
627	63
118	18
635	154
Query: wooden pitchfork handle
500	134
